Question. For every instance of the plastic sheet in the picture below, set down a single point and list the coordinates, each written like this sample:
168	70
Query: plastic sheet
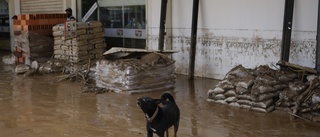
134	75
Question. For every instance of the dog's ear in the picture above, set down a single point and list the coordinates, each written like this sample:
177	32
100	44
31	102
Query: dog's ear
158	101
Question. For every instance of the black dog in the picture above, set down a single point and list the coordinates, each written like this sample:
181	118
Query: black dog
160	119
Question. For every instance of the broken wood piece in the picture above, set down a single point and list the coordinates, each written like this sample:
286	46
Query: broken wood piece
287	64
315	107
313	84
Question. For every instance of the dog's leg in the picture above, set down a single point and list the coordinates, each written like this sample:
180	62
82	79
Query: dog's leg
150	134
149	131
176	126
167	132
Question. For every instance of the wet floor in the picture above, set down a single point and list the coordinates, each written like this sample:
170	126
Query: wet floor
40	107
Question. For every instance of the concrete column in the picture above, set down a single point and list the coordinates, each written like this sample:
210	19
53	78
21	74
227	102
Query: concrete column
79	10
74	8
168	38
14	9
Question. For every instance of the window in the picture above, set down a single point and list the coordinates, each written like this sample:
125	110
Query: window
124	22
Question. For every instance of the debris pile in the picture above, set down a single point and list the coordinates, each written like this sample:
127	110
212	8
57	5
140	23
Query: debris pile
150	72
307	104
264	89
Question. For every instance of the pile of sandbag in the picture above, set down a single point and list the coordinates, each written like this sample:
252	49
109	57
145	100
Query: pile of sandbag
87	42
151	72
254	89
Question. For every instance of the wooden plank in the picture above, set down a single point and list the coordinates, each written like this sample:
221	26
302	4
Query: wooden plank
295	66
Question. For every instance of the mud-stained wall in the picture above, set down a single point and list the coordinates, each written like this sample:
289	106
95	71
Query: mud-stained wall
232	32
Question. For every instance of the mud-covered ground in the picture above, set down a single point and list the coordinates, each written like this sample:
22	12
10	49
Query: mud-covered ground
39	107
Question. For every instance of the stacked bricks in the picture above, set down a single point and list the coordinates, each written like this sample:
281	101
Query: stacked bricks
20	56
38	23
29	46
87	43
33	36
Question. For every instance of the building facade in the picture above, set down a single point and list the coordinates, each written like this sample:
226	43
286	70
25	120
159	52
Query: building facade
233	32
230	32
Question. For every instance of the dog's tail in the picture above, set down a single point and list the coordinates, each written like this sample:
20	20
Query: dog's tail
166	96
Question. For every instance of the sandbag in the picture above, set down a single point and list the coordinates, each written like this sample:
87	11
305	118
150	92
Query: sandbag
94	24
267	79
245	82
238	71
231	99
58	27
286	76
219	97
217	90
242	90
234	104
245	97
266	96
261	88
263	104
244	102
264	70
230	93
263	110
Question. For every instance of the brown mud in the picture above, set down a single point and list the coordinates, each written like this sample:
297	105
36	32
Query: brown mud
38	106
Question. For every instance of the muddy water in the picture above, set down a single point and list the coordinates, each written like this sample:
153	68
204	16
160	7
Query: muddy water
39	107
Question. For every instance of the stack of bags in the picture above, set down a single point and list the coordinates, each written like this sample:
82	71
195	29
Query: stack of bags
59	47
98	42
78	46
151	72
87	43
250	89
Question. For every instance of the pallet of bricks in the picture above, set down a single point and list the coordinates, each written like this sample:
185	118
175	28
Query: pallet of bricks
86	43
33	36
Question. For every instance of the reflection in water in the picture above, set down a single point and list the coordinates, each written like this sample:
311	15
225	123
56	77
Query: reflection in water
21	101
68	101
194	128
36	106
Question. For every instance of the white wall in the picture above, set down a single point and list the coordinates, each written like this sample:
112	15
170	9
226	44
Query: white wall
232	32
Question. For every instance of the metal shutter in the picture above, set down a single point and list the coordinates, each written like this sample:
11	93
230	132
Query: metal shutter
41	6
